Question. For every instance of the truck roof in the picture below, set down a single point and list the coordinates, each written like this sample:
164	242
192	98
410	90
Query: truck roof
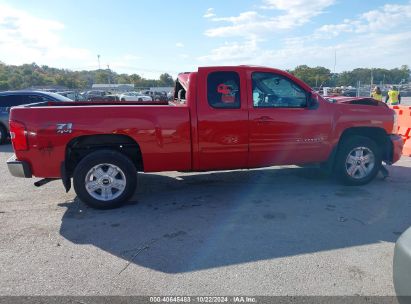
183	78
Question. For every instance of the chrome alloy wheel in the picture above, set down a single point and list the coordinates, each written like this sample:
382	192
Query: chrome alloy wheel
360	162
105	182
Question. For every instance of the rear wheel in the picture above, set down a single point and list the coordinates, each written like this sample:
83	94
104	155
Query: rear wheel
358	160
3	135
105	179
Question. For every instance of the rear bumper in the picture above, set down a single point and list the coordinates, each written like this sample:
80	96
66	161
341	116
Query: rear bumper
397	145
19	168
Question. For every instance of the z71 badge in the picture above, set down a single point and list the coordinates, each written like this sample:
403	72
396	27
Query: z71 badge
64	128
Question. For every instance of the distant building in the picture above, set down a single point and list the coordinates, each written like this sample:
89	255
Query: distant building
49	88
113	87
161	89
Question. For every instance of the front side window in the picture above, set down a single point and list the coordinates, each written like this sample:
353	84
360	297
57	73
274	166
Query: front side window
275	91
71	96
223	90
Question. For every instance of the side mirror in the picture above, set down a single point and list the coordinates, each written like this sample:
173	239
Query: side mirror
312	102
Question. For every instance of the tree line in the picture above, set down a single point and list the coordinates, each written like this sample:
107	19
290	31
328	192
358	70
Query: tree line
28	75
317	76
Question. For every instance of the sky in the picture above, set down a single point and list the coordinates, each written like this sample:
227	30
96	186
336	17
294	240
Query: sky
150	37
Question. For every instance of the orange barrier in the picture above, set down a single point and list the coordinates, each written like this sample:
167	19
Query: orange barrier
404	126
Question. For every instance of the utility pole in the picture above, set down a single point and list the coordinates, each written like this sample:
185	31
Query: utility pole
372	81
108	76
335	60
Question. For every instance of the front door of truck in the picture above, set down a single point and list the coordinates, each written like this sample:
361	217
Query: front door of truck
222	119
283	129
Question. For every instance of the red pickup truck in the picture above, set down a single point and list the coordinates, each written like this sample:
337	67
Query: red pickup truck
221	118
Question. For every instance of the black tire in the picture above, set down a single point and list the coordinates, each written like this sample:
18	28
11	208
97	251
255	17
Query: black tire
361	172
3	135
128	176
140	100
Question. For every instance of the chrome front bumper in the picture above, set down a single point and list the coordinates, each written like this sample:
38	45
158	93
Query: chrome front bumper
19	168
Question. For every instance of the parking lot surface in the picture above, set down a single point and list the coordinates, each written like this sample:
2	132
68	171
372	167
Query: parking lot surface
276	231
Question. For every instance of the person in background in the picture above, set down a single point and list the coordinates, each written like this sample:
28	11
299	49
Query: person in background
377	94
393	96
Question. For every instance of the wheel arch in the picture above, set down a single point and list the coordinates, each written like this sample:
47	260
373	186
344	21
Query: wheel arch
379	135
81	146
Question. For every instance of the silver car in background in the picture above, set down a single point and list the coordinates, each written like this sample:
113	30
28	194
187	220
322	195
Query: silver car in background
134	96
402	267
9	99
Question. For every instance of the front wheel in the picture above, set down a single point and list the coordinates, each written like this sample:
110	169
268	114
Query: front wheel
358	160
105	179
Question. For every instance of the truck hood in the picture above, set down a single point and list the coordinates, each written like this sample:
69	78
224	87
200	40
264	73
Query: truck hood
368	101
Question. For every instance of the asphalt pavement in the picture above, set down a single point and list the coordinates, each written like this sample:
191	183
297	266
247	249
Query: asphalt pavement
274	231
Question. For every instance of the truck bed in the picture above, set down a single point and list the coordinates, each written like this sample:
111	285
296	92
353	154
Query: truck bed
161	131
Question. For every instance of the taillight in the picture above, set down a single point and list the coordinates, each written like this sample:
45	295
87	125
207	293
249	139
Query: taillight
18	136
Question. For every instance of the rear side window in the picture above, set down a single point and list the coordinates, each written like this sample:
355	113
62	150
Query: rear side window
223	90
3	102
35	99
3	105
17	100
10	101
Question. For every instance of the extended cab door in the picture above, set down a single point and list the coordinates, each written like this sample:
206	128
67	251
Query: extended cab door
283	129
222	113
